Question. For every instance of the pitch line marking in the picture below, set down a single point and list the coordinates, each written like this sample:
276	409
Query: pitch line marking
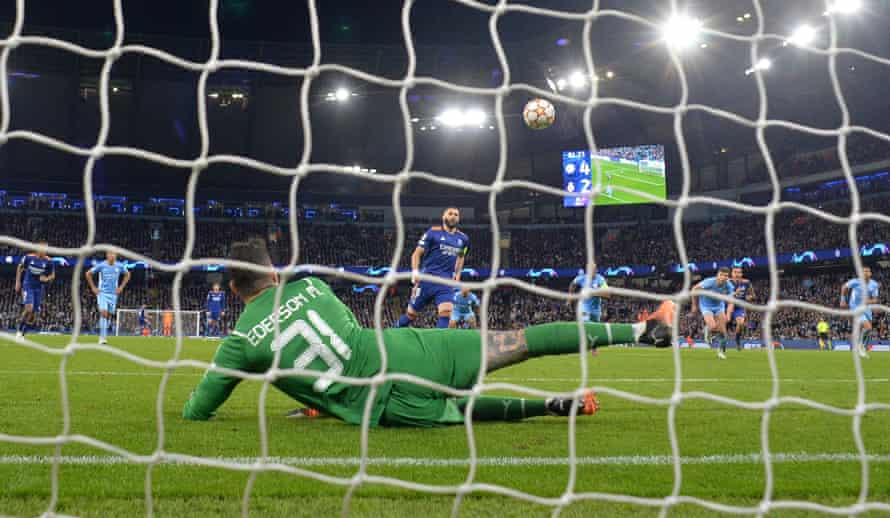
623	460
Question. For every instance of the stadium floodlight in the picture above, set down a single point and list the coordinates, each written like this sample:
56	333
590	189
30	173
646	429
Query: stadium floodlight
762	64
845	6
341	94
561	84
681	31
237	95
577	79
803	35
610	74
451	118
474	117
213	95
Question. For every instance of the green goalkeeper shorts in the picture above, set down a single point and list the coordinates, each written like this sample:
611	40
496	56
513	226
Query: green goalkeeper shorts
449	357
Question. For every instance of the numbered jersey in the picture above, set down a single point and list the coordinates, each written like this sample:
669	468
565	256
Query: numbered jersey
317	333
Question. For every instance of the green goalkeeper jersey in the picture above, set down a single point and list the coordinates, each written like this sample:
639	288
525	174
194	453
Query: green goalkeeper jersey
317	332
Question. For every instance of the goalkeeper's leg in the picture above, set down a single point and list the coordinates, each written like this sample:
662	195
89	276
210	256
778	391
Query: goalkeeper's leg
487	408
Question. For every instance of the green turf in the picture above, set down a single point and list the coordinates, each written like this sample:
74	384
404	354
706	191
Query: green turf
628	176
113	400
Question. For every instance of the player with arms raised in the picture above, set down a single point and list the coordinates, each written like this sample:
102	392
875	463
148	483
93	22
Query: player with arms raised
714	310
319	334
106	294
33	272
463	313
744	290
216	307
856	294
441	252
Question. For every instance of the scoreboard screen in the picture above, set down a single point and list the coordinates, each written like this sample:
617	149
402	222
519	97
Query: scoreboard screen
640	168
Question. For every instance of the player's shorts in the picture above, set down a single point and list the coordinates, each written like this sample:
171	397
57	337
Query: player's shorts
824	336
462	316
712	309
739	313
106	302
448	357
591	316
214	315
866	317
427	292
33	297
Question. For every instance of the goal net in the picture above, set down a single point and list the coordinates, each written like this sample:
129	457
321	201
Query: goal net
157	322
163	450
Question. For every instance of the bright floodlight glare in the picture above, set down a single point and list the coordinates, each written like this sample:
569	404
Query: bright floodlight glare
341	94
474	117
577	79
763	64
681	31
845	6
560	83
803	35
610	74
451	118
551	84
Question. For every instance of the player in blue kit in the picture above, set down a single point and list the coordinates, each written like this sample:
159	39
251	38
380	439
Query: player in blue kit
143	322
592	307
441	252
855	294
714	310
33	272
463	313
109	272
216	308
744	290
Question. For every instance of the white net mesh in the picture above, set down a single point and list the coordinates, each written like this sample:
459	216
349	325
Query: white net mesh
264	463
158	322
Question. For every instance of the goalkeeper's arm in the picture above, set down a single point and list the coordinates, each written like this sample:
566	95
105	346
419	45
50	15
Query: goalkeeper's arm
216	387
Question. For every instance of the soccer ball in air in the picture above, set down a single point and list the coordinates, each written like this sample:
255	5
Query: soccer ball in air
538	114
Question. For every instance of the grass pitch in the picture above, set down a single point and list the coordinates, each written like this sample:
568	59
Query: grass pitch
628	176
623	450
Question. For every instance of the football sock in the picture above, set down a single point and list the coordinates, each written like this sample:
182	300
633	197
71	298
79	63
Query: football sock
504	408
563	337
866	336
403	321
103	327
23	325
442	323
738	337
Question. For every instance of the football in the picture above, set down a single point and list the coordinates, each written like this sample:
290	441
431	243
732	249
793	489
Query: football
538	114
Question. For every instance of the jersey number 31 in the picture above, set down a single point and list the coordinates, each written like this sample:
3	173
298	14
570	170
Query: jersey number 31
317	348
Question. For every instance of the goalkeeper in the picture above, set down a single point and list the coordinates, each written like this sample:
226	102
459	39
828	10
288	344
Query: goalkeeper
319	333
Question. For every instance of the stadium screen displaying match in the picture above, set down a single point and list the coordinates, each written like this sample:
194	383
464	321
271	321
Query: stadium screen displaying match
635	167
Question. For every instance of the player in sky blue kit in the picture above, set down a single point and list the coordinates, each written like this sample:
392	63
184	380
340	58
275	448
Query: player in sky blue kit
592	307
216	308
714	310
109	272
737	314
441	252
856	294
463	303
34	271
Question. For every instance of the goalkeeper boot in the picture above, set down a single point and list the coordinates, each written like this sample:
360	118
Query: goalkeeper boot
588	404
658	326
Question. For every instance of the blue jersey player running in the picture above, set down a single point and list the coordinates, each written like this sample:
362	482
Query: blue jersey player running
855	294
216	308
106	294
441	252
714	310
744	290
463	313
592	307
34	271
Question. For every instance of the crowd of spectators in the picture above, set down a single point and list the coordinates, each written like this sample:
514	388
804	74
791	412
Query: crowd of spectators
509	307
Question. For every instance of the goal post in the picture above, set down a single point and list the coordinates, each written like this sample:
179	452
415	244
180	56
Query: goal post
653	167
158	322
